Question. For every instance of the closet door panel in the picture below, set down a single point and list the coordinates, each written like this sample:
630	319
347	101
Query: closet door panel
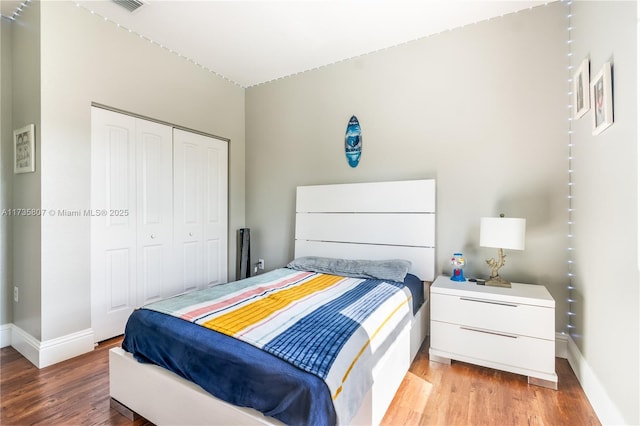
155	211
118	279
213	269
117	180
152	274
200	183
189	269
113	237
188	210
215	225
119	157
191	185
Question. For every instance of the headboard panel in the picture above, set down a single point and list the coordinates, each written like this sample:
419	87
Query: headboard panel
378	220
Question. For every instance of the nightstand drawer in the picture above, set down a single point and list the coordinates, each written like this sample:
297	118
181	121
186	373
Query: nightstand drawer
488	314
514	353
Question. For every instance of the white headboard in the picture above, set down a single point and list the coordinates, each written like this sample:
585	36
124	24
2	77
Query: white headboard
378	220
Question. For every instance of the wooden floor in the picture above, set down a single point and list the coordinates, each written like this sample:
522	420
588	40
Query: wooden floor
76	392
465	394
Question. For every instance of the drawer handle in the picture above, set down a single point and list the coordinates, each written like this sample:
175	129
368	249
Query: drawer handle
490	332
489	302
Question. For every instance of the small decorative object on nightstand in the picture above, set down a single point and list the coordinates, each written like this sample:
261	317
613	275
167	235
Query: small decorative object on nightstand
458	262
501	233
510	329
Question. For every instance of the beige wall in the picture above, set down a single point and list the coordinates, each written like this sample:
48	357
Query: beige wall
607	285
6	172
482	109
26	187
86	60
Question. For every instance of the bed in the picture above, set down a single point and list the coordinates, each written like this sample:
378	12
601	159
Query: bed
348	224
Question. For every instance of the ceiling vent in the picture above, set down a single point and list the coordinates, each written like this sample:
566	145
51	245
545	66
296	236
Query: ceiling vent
130	5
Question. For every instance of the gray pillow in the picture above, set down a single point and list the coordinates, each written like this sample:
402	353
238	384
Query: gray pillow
392	269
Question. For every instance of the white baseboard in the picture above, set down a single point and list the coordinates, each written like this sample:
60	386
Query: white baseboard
5	335
49	352
602	404
65	347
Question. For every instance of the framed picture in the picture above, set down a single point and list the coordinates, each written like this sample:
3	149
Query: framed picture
24	154
581	98
602	95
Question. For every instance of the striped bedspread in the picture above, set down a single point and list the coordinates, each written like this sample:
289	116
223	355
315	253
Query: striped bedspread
331	326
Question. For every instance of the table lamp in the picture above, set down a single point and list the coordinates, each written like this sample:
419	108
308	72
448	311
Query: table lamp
501	233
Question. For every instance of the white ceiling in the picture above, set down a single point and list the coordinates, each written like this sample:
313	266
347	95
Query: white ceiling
252	42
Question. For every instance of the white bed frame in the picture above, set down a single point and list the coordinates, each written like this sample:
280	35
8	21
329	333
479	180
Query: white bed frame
382	220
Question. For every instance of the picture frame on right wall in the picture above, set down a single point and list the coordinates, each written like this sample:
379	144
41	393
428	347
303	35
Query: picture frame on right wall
602	96
581	97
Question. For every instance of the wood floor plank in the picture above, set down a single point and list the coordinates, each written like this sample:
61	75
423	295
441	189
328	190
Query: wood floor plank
465	394
76	392
73	392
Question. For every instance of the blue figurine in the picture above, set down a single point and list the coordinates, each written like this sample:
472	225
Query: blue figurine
457	261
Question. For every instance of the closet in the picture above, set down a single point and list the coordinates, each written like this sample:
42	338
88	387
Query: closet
158	215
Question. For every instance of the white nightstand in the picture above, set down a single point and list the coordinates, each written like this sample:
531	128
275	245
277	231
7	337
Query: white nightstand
510	329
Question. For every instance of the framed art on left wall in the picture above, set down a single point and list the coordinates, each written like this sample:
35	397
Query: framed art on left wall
24	154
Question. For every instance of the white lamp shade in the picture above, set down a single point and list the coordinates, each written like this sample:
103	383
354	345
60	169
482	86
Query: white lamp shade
502	232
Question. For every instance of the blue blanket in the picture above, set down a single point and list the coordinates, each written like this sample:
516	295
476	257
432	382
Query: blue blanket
232	370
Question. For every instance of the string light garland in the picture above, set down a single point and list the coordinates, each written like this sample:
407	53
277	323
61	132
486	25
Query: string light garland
204	67
160	45
296	73
394	46
570	249
18	11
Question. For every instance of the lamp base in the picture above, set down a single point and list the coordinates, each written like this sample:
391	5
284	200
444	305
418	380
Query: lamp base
495	279
498	282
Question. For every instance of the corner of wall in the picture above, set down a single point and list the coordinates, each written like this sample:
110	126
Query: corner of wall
562	350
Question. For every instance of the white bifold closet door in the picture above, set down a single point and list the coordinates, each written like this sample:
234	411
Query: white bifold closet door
139	199
200	208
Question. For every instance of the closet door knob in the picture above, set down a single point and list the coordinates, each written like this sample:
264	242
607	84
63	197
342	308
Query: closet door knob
191	234
153	236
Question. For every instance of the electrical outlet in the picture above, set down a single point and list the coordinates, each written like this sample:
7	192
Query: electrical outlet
15	294
260	263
